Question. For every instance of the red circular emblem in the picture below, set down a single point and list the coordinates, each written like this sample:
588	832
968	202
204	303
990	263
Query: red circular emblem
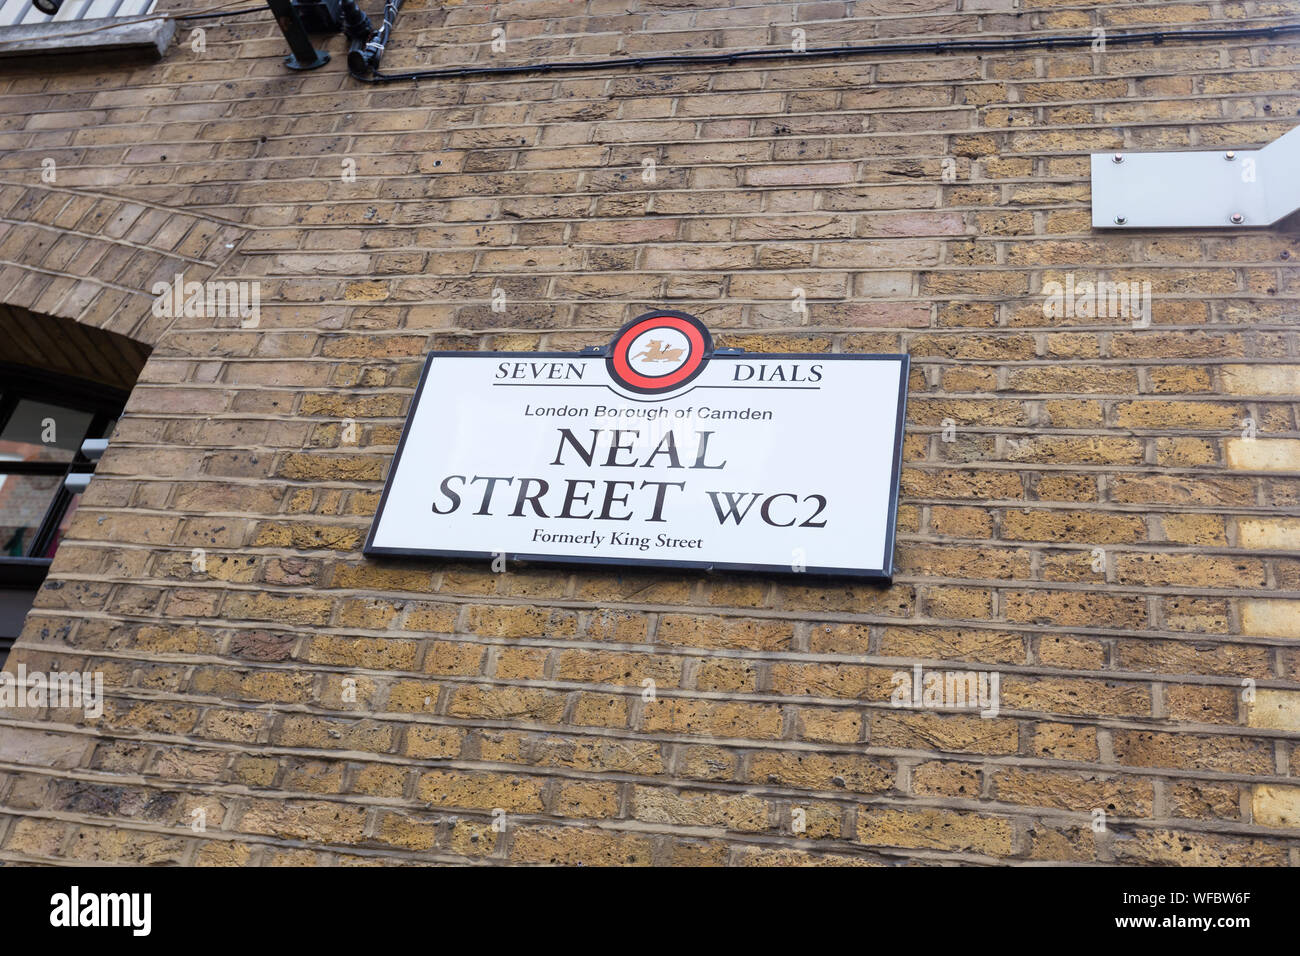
659	352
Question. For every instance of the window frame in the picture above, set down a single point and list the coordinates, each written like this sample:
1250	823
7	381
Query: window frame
74	11
102	402
37	35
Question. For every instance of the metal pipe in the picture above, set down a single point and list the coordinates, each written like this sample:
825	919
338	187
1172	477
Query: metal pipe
357	28
364	61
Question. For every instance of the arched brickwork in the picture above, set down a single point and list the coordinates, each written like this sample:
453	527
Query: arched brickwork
93	257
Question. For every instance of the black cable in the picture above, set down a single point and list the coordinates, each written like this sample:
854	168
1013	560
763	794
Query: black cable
374	49
220	13
1156	37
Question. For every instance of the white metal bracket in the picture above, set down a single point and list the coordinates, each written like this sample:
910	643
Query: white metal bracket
1224	188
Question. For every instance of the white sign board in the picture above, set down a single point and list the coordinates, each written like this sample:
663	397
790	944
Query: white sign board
657	451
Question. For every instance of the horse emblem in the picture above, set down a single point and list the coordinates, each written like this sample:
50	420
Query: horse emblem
655	351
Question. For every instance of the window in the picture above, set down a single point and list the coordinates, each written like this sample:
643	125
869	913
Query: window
83	26
44	419
23	11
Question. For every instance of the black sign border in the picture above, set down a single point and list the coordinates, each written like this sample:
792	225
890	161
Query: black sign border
884	575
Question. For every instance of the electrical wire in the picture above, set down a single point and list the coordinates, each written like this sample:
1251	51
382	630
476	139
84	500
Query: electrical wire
220	13
1155	37
366	66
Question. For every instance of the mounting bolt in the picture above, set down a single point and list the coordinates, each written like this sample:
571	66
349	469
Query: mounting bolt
1229	155
1120	220
1117	158
1237	218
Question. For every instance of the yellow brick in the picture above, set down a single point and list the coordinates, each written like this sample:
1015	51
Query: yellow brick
471	838
1172	847
1194	528
934	830
1262	380
398	831
481	791
1270	617
573	845
1264	454
1273	534
732	811
1277	806
1275	710
586	799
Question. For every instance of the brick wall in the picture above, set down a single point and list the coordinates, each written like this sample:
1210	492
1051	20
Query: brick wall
1084	510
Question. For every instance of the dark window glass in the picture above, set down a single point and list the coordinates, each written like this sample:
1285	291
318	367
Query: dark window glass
24	502
40	431
44	420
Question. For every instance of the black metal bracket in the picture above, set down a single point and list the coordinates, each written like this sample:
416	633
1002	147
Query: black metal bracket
298	18
304	56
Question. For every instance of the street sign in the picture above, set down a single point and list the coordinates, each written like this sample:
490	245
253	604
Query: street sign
655	451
